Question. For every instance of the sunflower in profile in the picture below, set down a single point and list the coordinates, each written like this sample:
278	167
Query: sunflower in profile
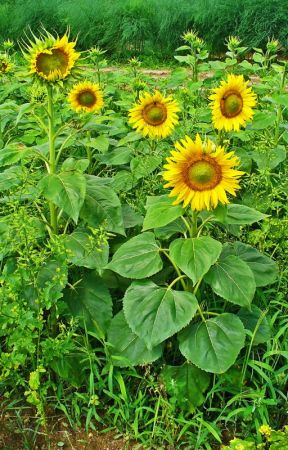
201	174
232	103
154	116
5	65
51	59
86	96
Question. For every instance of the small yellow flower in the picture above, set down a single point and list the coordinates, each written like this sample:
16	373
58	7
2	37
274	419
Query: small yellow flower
51	59
201	174
154	115
232	103
265	430
86	96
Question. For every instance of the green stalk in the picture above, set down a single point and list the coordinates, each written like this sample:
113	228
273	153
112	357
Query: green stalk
52	154
279	109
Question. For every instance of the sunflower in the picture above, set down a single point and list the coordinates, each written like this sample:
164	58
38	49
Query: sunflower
232	103
51	59
201	174
154	115
5	65
86	96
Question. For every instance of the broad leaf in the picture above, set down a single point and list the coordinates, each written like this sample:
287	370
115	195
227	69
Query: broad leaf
160	212
141	166
13	153
84	251
10	178
213	345
186	384
238	215
127	349
257	323
66	190
195	256
264	268
116	157
232	279
155	313
91	302
101	204
137	258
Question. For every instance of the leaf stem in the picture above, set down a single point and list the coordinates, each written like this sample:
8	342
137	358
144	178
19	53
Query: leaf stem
176	268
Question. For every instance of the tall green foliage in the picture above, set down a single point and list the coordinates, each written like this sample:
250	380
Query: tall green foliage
148	27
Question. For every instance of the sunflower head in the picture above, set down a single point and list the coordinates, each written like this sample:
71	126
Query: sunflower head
86	96
51	59
5	65
232	103
200	174
154	116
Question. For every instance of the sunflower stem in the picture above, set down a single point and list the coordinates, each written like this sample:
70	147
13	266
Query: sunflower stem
176	269
52	154
279	109
194	224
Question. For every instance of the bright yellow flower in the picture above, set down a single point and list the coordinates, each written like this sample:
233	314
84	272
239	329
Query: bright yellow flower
154	115
86	96
51	59
201	174
232	103
265	430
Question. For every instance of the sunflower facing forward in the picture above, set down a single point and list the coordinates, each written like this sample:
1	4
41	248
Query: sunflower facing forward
154	116
232	103
200	174
86	96
51	59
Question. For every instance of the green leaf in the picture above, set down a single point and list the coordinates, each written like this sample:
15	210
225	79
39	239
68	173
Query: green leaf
281	99
141	166
155	313
262	120
75	164
256	319
10	178
66	190
131	217
232	279
118	156
13	153
270	159
160	212
91	302
195	256
264	268
137	258
127	348
238	215
101	204
213	345
101	143
84	251
175	227
185	384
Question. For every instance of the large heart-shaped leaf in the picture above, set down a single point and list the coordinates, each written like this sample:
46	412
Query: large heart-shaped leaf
186	385
195	256
101	204
264	268
66	190
91	302
232	279
137	258
213	345
160	212
155	313
127	348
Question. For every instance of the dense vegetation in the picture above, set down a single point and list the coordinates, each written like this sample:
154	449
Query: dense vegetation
148	27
